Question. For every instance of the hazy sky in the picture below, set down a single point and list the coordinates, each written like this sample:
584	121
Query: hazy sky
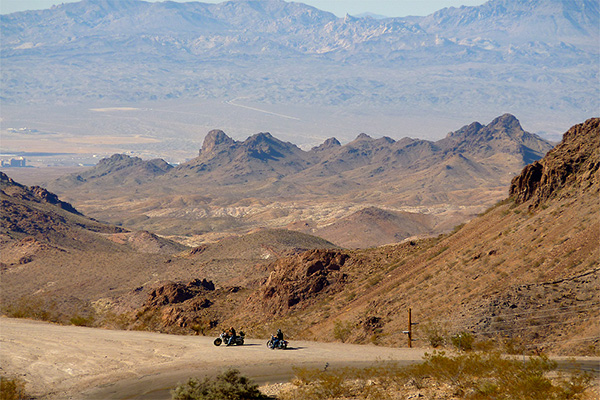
390	8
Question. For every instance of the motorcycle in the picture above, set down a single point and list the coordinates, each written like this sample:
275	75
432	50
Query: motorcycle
224	338
274	343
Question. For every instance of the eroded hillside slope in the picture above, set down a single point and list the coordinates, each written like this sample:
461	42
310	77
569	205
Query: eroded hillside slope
59	265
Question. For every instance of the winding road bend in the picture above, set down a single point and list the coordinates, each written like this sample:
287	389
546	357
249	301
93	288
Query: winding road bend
69	362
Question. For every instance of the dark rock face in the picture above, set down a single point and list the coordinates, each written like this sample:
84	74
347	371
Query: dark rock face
299	279
214	140
574	162
176	292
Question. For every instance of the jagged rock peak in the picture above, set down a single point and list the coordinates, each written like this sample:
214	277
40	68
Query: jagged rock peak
261	136
328	144
214	139
363	136
507	122
332	142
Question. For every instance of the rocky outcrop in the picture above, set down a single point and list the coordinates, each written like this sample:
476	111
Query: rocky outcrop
119	169
214	141
177	292
298	279
573	163
503	135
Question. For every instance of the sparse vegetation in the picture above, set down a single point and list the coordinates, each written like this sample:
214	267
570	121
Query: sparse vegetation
228	385
434	334
12	389
32	307
473	375
342	330
79	320
463	341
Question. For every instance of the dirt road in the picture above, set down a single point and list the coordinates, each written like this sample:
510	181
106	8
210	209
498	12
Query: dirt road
68	362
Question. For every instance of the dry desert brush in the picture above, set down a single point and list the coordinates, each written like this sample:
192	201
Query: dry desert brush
229	385
471	375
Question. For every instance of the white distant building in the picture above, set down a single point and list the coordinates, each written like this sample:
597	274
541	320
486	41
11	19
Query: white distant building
15	162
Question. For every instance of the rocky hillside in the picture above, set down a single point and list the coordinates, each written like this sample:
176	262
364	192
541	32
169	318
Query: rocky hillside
569	165
524	272
58	264
236	186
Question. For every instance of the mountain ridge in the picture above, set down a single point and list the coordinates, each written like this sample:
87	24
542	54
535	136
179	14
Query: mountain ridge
279	53
266	182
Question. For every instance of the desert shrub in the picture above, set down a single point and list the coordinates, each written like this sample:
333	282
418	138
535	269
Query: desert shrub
434	334
79	320
227	386
33	308
514	346
490	375
147	320
342	330
472	376
112	320
315	384
12	389
463	341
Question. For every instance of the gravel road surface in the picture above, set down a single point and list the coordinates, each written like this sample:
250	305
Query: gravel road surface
68	362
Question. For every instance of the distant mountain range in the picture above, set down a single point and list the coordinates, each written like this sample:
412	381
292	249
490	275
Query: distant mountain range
537	58
474	149
262	181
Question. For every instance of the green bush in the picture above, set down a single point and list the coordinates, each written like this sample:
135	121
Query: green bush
342	330
227	386
434	334
12	389
79	320
463	341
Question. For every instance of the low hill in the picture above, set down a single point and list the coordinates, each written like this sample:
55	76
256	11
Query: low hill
372	227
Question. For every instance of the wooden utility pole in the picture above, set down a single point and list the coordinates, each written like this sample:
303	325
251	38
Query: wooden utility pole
409	329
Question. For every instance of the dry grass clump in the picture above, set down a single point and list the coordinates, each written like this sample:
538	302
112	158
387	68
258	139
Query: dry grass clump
471	375
12	389
44	309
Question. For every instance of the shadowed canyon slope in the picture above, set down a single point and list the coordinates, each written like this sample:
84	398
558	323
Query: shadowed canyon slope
236	186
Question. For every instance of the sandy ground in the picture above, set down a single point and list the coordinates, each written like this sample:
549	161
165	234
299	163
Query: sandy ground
68	362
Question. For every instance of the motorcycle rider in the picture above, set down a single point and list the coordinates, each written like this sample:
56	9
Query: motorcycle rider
278	338
231	336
